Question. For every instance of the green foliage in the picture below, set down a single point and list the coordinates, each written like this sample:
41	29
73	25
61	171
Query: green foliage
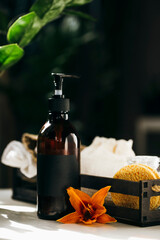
49	10
26	27
41	7
9	55
78	2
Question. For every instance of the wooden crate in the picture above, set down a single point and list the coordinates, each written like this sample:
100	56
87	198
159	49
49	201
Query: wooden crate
25	190
143	189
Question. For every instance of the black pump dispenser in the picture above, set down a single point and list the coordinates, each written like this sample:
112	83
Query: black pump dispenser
58	102
58	157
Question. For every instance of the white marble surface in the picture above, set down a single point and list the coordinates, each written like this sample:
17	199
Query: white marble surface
18	221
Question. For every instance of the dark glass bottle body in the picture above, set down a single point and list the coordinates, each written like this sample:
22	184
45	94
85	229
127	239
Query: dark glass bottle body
58	162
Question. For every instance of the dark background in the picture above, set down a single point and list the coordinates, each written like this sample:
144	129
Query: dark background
117	58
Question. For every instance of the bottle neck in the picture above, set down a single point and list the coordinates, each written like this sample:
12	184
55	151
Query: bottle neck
58	115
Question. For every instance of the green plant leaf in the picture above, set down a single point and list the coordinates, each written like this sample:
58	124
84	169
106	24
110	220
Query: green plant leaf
41	7
78	3
48	10
24	29
79	14
9	55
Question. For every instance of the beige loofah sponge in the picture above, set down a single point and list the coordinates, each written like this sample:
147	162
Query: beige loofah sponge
135	172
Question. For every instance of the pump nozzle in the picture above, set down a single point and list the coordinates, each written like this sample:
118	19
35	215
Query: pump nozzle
58	103
58	82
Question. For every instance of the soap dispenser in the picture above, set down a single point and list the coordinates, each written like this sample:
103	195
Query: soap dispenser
58	157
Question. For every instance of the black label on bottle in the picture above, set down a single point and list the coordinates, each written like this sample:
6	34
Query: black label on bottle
55	173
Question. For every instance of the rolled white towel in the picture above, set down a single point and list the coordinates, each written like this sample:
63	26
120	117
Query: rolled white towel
15	155
105	156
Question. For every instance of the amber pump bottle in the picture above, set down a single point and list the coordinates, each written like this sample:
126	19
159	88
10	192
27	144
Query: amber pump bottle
58	153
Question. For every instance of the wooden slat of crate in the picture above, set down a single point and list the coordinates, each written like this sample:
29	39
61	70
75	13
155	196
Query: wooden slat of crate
117	185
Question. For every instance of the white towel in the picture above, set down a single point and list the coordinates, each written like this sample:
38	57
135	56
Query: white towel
15	155
105	156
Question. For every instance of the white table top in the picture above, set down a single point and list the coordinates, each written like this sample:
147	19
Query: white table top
18	221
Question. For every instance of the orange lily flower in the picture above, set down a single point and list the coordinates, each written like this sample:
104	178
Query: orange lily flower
87	209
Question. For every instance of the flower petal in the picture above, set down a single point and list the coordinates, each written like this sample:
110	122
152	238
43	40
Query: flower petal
105	218
75	200
99	196
99	210
83	196
88	221
70	218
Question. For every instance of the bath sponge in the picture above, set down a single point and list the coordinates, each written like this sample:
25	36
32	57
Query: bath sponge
135	172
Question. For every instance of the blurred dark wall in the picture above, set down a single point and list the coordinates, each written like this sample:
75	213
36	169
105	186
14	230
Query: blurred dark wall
141	65
117	57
